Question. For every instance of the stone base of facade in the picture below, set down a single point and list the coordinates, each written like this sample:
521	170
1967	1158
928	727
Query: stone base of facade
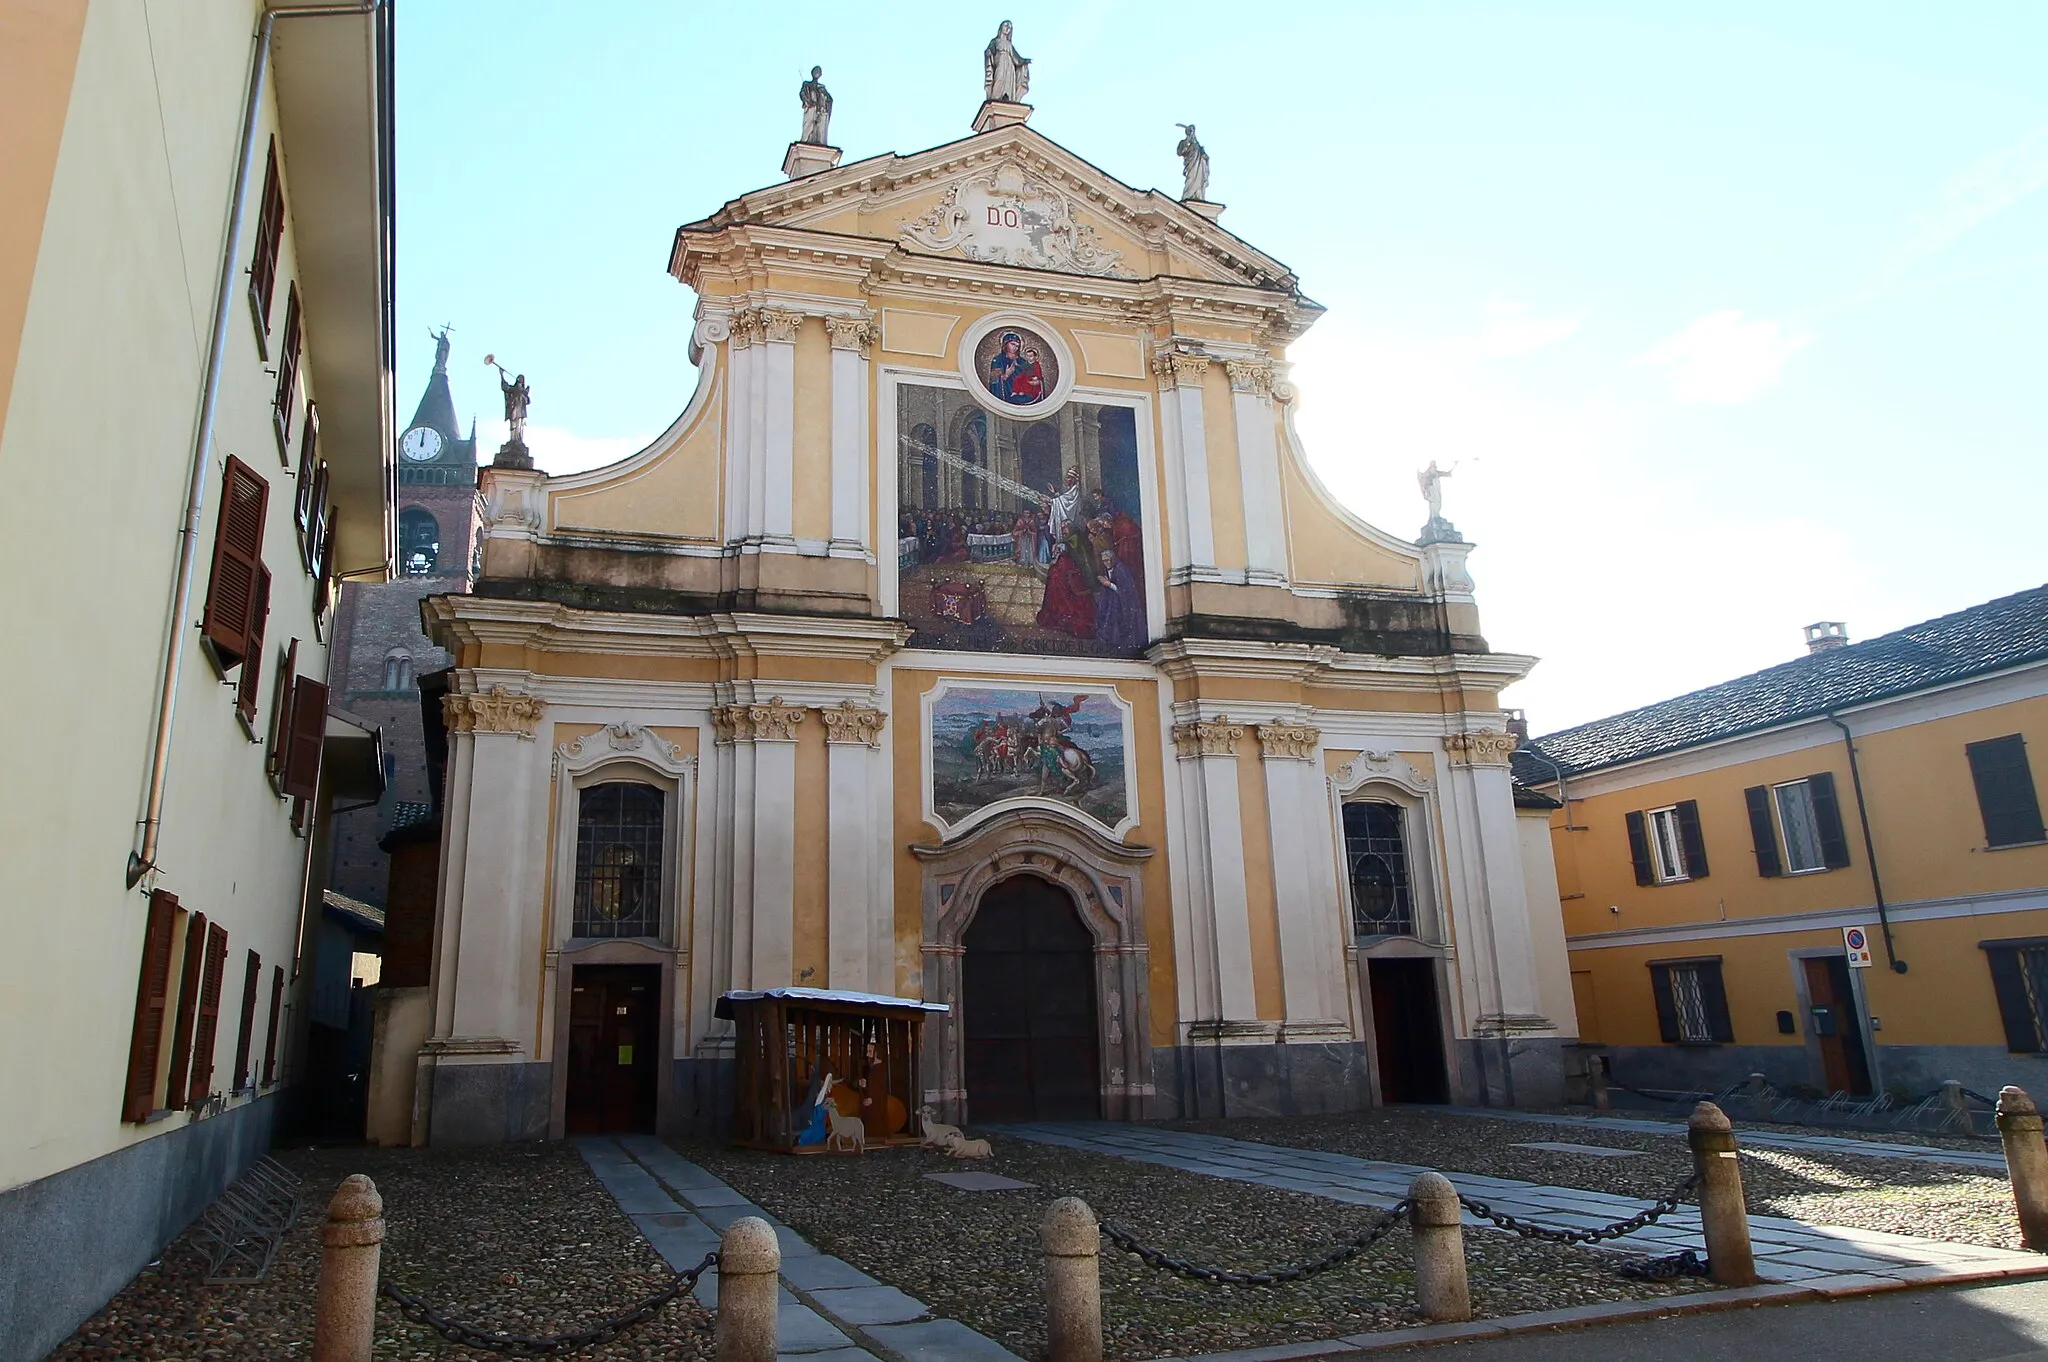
1914	1070
1510	1071
1201	1082
69	1241
489	1103
703	1089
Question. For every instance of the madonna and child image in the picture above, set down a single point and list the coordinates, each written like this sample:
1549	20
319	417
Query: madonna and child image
1017	366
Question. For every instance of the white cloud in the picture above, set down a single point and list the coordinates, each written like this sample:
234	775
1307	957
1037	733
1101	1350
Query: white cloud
556	450
1726	358
1512	330
1986	187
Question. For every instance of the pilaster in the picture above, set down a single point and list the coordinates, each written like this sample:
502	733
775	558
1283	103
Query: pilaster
1258	463
1498	912
778	329
851	337
853	740
772	730
1193	528
1304	884
1219	908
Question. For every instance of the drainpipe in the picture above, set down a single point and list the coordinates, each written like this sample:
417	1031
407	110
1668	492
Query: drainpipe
143	860
1564	793
1869	847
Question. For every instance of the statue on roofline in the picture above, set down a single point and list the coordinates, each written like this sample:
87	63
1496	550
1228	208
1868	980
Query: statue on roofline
1194	165
1005	73
817	102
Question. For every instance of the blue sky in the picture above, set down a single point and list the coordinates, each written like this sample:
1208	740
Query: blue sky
1731	317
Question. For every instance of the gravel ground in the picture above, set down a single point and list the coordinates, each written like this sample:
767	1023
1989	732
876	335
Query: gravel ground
515	1239
1860	1191
1678	1112
974	1256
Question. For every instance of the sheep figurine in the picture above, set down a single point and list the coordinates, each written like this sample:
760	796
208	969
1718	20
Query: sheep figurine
937	1134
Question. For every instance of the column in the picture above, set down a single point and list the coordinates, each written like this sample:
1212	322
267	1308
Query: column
742	465
1304	883
774	879
778	425
1258	463
1187	463
736	848
1207	748
1481	785
853	739
850	337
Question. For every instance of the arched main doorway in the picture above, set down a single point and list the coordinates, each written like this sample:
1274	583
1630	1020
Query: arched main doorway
1028	1007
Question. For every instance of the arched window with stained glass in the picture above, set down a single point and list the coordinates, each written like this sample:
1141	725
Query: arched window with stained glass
619	860
1376	855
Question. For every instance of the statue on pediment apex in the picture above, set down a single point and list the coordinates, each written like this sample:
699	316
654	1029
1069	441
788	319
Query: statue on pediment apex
817	102
1194	165
1005	73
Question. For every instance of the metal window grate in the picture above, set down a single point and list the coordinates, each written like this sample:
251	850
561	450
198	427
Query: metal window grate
1691	1004
618	860
1376	850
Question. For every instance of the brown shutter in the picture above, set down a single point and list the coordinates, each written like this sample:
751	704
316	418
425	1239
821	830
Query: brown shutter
1639	848
2005	791
188	1009
315	520
270	1038
269	233
252	975
1714	997
237	562
2009	986
1667	1006
1762	831
1689	837
309	464
252	652
281	695
288	368
145	1042
208	1029
309	731
1827	813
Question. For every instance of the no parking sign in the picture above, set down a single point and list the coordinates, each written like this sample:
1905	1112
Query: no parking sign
1857	943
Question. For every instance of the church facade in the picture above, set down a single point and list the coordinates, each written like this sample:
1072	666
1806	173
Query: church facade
979	634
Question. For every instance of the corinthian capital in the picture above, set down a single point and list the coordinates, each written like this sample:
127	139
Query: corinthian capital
1217	737
853	723
1487	747
774	721
1250	376
779	324
850	333
1291	742
1180	369
498	711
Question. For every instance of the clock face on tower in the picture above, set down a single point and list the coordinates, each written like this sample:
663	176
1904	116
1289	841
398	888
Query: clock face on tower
421	443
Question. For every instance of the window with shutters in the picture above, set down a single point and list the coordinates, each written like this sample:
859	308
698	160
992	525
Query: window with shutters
1667	851
238	591
152	997
269	235
245	1032
207	1031
1376	855
1797	826
309	504
191	980
2005	792
1666	845
308	732
287	400
618	860
270	1033
1692	1002
281	692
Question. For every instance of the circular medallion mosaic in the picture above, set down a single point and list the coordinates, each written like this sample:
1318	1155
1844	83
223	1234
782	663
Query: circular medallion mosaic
1017	366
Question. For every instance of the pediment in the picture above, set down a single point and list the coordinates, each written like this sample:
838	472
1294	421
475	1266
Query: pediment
1010	196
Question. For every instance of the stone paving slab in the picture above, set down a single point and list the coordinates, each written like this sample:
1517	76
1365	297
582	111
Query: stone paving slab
1987	1160
826	1308
1596	1151
1786	1249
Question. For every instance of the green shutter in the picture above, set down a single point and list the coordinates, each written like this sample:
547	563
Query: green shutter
1827	812
1762	831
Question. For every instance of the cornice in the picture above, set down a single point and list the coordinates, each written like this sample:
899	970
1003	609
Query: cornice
1323	664
550	627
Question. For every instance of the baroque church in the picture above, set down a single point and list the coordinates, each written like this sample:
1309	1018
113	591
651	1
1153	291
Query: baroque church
978	634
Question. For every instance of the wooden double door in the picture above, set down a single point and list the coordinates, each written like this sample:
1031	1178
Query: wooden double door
1837	1024
1028	1007
614	1050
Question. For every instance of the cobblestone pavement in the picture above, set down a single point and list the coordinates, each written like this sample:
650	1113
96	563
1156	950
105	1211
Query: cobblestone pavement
1786	1250
1988	1159
830	1311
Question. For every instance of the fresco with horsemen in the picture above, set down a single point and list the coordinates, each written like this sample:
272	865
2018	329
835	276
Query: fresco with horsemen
993	745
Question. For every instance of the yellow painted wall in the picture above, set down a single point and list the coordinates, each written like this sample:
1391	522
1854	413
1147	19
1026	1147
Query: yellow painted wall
812	493
1261	899
1321	548
1226	486
675	491
811	943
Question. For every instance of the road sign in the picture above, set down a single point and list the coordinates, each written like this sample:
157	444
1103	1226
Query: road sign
1857	942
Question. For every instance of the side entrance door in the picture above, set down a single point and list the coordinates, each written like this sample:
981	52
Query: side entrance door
612	1048
1836	1024
1408	1042
1028	1007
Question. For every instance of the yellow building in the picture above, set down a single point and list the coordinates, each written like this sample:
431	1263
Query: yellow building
1831	872
977	634
194	425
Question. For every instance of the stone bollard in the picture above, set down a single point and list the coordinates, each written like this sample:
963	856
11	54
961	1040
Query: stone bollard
1954	1104
749	1268
2026	1163
1437	1221
345	1302
1596	1074
1073	1282
1730	1261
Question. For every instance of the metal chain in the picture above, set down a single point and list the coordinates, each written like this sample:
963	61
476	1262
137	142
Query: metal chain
1529	1229
1279	1276
550	1345
1684	1263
